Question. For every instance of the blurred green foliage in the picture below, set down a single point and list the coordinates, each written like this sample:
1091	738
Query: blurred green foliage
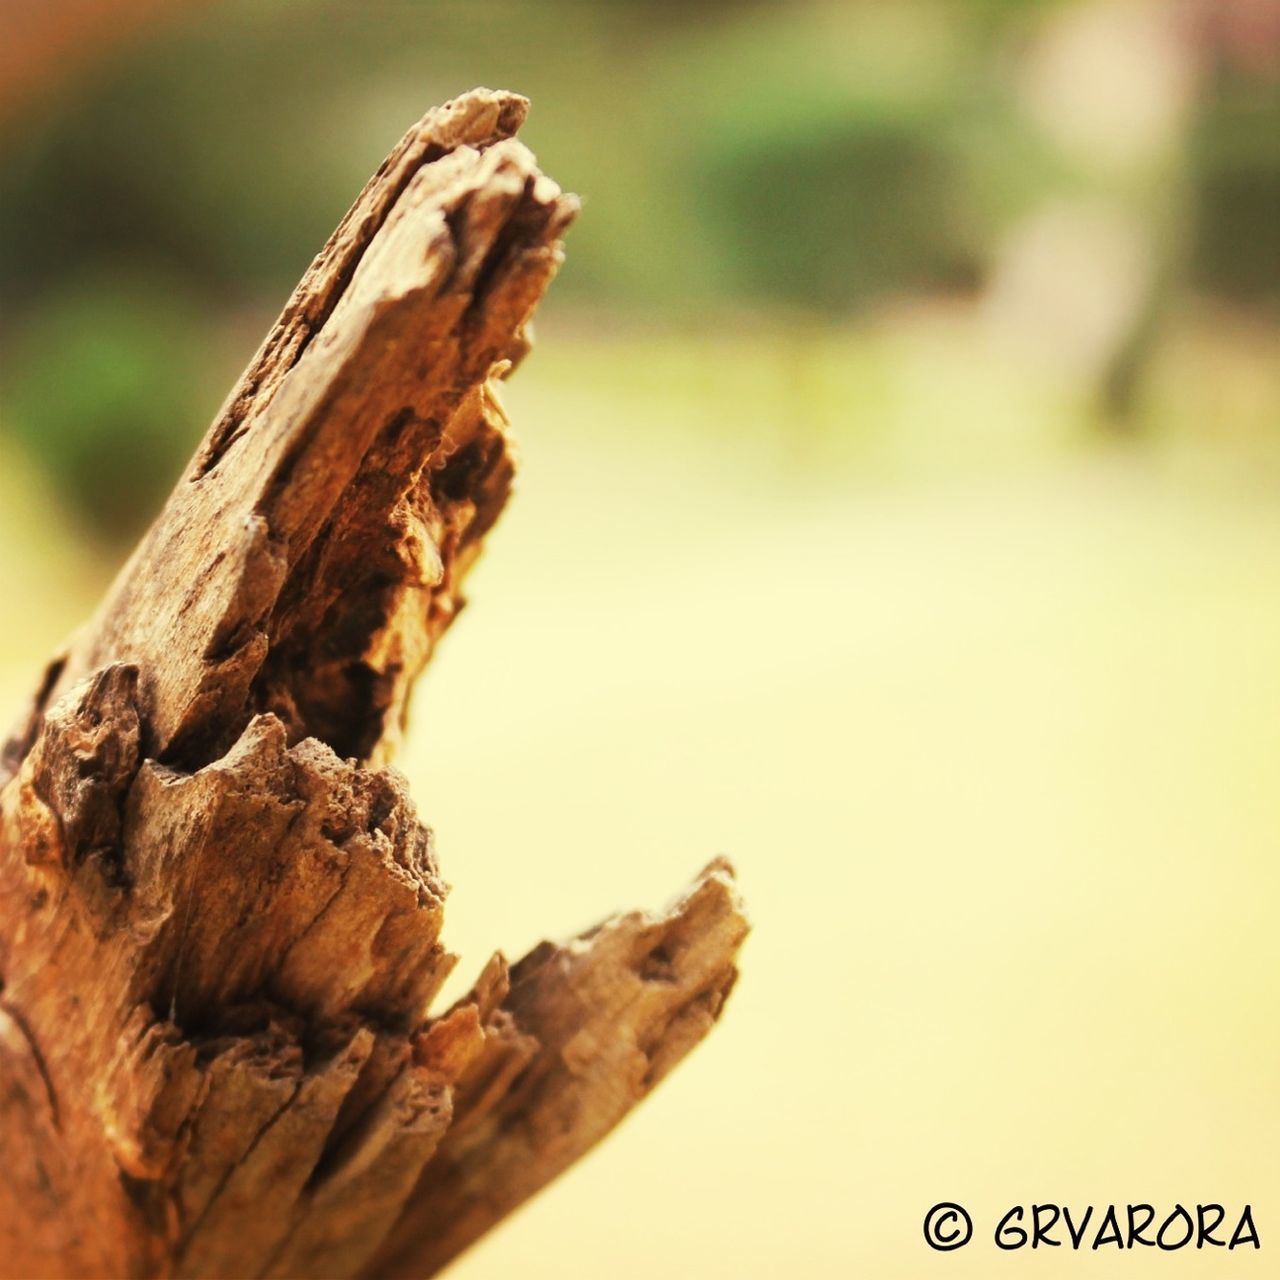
804	160
95	379
914	222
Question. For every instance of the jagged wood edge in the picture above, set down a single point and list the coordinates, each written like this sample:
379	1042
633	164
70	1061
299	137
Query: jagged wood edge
195	1087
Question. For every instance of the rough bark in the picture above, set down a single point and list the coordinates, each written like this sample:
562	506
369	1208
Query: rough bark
221	917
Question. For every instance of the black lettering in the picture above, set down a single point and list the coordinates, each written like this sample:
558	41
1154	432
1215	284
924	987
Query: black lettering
1004	1226
1114	1237
1136	1230
1076	1236
1178	1212
1238	1236
1040	1230
1204	1233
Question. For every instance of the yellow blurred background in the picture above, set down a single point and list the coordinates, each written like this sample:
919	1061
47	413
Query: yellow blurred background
899	514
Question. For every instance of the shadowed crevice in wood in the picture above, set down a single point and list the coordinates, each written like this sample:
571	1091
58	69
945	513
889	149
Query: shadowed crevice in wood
221	914
586	1031
309	523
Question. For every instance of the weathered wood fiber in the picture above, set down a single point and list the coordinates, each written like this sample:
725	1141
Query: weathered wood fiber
220	917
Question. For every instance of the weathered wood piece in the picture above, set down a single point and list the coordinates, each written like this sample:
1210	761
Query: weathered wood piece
587	1030
220	916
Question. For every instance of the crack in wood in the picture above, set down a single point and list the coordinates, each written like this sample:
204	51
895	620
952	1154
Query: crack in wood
196	818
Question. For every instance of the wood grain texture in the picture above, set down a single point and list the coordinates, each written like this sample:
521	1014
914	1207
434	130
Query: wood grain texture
222	918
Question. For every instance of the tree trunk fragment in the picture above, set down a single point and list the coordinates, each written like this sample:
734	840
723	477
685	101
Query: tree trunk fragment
219	914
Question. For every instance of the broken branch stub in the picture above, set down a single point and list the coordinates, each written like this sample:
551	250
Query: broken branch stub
221	915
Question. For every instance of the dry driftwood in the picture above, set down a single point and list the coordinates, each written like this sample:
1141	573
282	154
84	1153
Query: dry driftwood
221	916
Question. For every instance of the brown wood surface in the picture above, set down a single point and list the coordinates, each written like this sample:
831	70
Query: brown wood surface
219	914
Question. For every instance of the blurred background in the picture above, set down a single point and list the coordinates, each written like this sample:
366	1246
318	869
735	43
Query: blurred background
900	514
